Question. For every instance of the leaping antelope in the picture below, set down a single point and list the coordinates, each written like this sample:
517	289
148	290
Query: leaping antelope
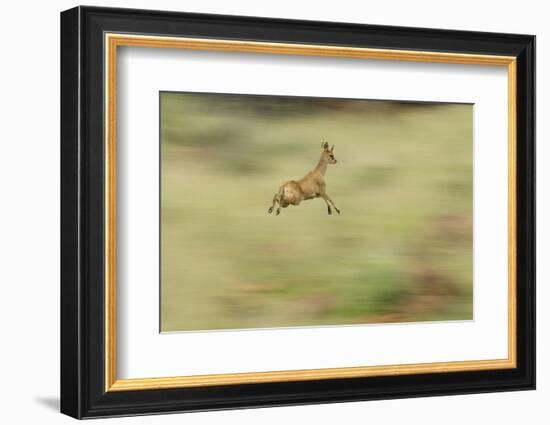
311	186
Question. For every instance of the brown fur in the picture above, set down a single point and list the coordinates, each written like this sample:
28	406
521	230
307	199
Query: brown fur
312	185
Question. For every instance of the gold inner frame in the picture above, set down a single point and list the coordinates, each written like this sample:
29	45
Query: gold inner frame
113	41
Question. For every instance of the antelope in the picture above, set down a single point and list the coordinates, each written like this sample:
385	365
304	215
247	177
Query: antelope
312	185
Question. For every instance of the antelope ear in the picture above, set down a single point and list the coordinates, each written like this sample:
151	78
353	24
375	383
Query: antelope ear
324	145
332	149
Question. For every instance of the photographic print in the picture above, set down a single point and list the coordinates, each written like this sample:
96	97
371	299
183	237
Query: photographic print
287	211
316	192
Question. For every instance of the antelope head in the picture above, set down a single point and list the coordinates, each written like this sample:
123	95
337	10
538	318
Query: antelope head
328	154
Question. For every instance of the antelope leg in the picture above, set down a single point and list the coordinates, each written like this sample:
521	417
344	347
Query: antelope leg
324	196
327	200
275	200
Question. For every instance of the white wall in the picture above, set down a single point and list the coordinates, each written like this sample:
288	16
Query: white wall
29	211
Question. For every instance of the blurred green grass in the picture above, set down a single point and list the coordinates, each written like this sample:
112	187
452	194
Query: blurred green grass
401	251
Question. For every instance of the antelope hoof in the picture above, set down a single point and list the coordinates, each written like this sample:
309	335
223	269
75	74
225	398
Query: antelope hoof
270	210
329	211
278	211
337	210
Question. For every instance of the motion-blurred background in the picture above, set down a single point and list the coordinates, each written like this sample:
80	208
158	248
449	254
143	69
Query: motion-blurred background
401	251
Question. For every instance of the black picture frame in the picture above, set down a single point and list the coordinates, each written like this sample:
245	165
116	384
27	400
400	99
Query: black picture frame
83	392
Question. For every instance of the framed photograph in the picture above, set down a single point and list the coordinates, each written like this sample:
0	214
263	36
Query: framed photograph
261	212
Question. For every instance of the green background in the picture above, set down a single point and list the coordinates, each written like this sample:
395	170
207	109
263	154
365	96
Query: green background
401	251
